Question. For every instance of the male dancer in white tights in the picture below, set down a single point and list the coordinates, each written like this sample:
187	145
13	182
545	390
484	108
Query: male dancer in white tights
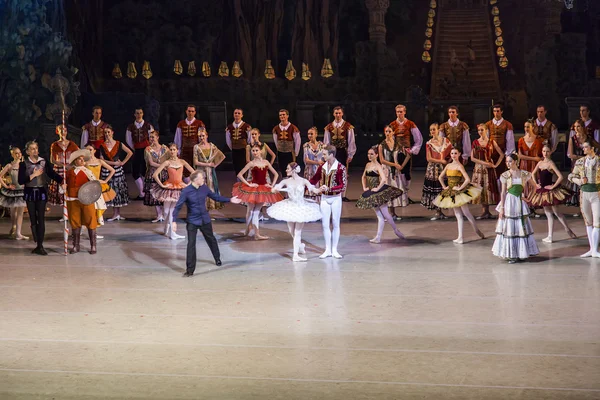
332	180
586	174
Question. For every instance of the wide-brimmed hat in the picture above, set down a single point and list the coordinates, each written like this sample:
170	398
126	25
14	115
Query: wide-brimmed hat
89	192
76	154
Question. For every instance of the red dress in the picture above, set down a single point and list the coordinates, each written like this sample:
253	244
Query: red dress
534	151
259	194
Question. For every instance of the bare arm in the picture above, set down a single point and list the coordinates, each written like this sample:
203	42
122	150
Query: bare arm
499	151
275	174
2	173
466	178
157	173
243	173
111	170
247	154
382	159
502	200
270	153
128	152
364	180
382	179
186	165
559	176
535	171
406	160
441	178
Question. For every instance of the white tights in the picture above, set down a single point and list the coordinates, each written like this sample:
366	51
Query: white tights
252	215
383	216
169	207
16	219
295	229
331	210
459	212
549	210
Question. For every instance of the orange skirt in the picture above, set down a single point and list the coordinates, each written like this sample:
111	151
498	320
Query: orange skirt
255	195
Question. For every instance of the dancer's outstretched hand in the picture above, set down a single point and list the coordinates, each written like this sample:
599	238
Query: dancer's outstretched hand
235	200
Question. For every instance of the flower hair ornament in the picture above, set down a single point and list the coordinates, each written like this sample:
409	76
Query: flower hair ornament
297	169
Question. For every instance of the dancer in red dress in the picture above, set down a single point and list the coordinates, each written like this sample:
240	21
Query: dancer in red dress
257	193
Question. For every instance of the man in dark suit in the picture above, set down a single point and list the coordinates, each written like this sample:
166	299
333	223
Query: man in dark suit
194	197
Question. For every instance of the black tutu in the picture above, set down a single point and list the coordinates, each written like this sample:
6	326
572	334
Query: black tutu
11	198
371	199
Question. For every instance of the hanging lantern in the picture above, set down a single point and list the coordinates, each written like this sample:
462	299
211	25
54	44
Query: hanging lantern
498	31
290	71
492	2
223	69
428	32
431	13
429	22
432	4
192	68
269	71
500	52
306	75
116	72
326	70
427	44
499	41
131	71
236	70
426	57
503	62
146	71
496	21
495	10
206	69
178	68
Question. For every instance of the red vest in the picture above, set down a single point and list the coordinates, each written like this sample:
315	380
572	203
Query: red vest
402	132
74	182
455	133
287	135
544	132
140	136
189	133
498	133
339	136
239	135
96	133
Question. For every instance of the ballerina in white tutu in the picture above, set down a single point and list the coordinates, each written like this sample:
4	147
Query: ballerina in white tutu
295	210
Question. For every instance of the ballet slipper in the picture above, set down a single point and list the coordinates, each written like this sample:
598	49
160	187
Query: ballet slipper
326	254
399	234
297	258
571	234
480	234
375	240
21	237
302	249
458	240
547	239
257	235
335	254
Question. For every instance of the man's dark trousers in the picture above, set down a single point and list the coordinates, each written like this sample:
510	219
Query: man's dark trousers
211	241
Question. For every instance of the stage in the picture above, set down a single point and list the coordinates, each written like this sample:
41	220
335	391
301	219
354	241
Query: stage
413	319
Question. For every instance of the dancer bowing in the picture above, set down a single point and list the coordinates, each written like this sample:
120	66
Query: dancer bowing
458	194
514	233
194	196
109	150
549	195
333	180
154	155
485	171
207	157
35	173
377	194
257	193
586	174
438	153
295	210
11	195
169	192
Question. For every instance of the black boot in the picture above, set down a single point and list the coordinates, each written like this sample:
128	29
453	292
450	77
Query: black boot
93	236
76	241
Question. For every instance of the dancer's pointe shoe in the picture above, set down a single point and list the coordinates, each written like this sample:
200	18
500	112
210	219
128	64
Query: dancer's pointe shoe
174	236
257	235
12	231
484	216
586	255
297	258
62	219
21	237
326	254
399	234
458	240
547	239
99	237
335	254
116	218
572	234
158	219
480	234
302	249
375	240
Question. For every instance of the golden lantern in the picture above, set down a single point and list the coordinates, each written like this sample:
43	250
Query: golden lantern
499	41
495	10
431	13
432	4
428	32
178	68
306	74
326	70
131	71
503	62
290	71
429	22
269	71
500	52
192	68
496	21
427	44
498	31
597	71
206	69
236	70
223	69
426	57
146	71
492	2
116	72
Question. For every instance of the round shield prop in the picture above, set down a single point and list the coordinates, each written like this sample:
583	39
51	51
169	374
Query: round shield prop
90	192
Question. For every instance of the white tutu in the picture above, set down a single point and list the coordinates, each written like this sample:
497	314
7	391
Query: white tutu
514	233
295	211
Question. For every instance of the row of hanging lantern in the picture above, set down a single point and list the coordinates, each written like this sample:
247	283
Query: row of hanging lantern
426	56
500	51
223	71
